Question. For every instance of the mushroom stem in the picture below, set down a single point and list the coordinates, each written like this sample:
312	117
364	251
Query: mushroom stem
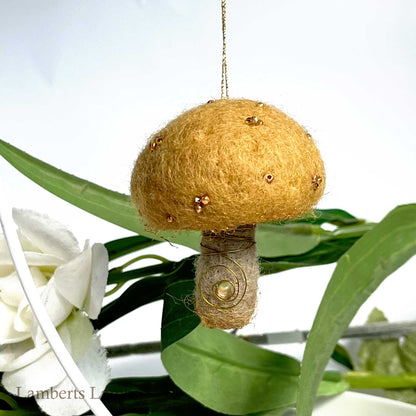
226	278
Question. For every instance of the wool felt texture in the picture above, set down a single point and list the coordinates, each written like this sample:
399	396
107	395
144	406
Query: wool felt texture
226	278
251	162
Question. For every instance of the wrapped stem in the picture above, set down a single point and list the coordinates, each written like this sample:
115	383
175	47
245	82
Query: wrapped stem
226	278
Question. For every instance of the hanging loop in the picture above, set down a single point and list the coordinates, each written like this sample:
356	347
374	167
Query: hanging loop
224	77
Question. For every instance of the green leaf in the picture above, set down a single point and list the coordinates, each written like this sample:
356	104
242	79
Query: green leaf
300	236
341	355
101	202
140	293
123	246
358	273
326	252
408	352
116	275
146	290
331	247
287	239
232	376
150	396
178	317
380	356
218	369
383	359
337	217
6	398
404	395
20	406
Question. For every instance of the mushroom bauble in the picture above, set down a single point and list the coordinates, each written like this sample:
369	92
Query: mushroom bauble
222	168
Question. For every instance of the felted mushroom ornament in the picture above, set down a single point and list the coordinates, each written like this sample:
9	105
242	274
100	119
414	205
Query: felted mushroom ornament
222	168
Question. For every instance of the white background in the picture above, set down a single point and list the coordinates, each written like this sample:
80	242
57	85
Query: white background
83	83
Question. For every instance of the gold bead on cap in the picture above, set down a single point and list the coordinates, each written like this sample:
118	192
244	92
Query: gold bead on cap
170	218
268	178
259	104
205	200
223	290
200	202
253	121
316	181
155	143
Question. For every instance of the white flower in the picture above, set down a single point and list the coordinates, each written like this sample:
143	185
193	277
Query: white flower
67	279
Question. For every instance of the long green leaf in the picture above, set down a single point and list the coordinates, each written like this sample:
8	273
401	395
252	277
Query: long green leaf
358	273
326	252
151	396
6	398
300	236
337	217
123	246
101	202
146	290
287	239
178	318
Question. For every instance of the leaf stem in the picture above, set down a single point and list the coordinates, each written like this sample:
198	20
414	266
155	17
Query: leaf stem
369	380
138	258
9	400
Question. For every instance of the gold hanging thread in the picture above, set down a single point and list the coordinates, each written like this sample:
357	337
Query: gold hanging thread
224	77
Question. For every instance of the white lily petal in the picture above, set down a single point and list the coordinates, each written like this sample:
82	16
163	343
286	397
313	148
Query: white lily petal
40	374
11	291
56	305
4	251
5	270
80	331
27	245
72	279
15	356
33	256
94	366
42	260
33	259
46	234
8	334
24	316
99	275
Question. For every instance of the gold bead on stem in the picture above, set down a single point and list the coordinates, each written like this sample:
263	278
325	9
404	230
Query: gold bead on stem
223	290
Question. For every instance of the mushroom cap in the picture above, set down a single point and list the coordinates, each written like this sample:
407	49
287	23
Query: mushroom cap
227	163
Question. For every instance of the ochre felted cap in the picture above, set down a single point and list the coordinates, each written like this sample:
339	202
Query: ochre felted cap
227	163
